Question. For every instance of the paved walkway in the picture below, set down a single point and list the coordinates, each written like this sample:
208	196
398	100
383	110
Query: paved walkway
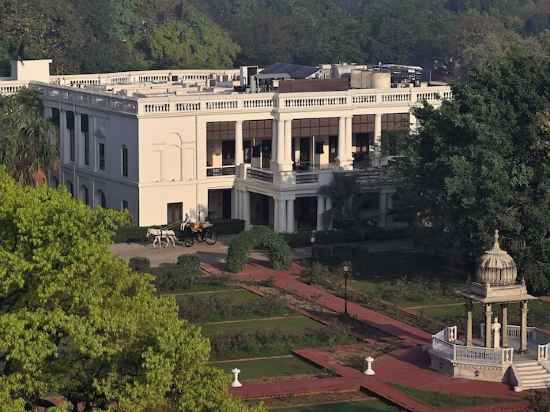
290	283
408	367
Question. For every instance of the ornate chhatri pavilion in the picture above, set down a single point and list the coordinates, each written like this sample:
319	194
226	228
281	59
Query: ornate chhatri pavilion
518	355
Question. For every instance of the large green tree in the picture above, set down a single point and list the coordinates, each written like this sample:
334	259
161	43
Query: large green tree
482	162
76	321
28	143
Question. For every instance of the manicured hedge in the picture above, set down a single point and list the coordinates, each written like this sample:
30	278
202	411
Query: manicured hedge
228	227
140	264
260	237
131	234
327	237
183	275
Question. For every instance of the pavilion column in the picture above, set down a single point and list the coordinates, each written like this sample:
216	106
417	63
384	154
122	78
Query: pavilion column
523	347
239	156
280	145
488	328
505	338
469	324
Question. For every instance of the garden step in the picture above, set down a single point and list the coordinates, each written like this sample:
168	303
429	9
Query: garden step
532	376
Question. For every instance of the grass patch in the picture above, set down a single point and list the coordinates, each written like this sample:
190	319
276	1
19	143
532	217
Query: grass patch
292	324
439	399
269	368
359	406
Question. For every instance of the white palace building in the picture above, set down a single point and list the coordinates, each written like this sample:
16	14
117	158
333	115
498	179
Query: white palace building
249	143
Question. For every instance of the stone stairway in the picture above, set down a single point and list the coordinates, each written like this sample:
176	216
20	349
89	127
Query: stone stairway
531	375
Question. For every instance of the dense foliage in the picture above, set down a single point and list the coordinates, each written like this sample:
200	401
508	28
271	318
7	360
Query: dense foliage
106	35
111	35
28	147
260	237
482	162
77	321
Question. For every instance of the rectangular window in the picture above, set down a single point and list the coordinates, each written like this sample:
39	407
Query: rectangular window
101	155
124	161
72	144
84	128
124	205
55	117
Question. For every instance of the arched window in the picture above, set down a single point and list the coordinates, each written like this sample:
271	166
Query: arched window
84	195
101	200
70	187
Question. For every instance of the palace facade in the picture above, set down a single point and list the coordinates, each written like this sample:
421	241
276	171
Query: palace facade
238	143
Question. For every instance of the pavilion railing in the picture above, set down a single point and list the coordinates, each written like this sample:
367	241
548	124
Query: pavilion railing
443	344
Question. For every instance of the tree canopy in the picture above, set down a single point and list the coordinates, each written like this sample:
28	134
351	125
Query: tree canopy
28	146
75	320
447	36
482	162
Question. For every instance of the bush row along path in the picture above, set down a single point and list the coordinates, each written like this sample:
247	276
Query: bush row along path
406	367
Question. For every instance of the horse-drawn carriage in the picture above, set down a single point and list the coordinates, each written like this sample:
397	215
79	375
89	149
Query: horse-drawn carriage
186	232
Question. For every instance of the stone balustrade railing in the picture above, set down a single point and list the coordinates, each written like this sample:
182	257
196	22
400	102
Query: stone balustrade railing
443	344
146	76
259	102
9	87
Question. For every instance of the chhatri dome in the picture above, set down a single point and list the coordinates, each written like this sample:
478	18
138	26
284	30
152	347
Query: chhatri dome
497	267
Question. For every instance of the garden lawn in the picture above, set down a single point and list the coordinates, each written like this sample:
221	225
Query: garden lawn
268	368
358	406
444	400
406	279
288	324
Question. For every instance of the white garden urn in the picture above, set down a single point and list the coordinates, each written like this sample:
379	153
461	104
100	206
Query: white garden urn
236	383
369	370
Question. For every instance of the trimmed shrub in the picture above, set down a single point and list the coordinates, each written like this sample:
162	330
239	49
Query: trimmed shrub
131	234
189	263
329	237
172	278
228	227
260	237
140	264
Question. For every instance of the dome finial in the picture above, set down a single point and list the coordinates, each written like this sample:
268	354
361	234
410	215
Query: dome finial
496	244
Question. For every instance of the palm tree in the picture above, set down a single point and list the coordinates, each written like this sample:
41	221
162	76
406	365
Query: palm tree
28	143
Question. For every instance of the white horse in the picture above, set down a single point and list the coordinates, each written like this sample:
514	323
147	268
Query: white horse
160	236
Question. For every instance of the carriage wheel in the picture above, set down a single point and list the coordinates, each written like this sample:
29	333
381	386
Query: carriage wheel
210	237
188	242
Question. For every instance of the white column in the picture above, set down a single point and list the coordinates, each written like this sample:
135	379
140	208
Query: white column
239	158
320	211
246	208
201	149
280	215
349	138
413	122
383	210
290	216
378	130
288	144
234	204
280	145
341	140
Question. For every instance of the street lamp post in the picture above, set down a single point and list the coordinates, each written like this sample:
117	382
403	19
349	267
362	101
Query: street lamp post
346	268
312	239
